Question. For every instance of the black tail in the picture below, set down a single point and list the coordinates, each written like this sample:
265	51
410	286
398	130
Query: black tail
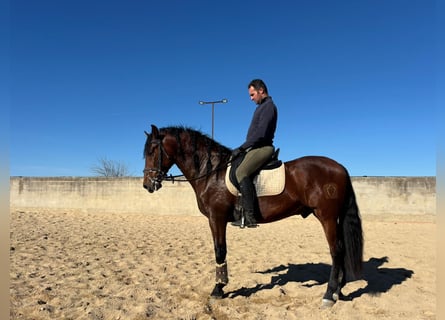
352	234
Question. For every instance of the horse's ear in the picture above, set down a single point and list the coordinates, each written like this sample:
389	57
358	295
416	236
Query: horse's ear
146	133
154	131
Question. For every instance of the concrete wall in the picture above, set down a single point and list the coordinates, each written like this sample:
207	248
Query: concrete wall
395	195
375	195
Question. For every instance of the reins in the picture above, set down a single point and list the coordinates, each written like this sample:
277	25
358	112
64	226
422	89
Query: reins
165	177
173	178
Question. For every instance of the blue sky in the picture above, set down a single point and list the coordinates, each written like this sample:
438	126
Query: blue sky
352	80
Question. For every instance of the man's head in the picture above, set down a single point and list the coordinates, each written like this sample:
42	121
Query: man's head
257	90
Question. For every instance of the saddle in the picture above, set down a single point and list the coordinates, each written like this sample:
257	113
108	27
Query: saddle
268	180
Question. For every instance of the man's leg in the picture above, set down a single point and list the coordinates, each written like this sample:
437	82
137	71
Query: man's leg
252	162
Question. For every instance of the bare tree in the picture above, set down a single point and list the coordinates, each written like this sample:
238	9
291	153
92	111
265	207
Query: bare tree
110	168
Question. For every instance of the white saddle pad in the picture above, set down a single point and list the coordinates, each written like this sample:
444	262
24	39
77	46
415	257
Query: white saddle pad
267	183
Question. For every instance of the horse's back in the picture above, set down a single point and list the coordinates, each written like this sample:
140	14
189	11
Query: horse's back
311	173
315	165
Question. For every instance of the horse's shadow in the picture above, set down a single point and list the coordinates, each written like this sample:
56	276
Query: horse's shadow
379	280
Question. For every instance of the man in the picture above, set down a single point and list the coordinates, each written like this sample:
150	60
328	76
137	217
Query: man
258	148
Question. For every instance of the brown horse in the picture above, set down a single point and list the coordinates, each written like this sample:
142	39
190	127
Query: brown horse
316	185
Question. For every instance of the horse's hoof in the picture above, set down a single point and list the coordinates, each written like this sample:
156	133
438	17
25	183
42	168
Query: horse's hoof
216	296
217	292
326	303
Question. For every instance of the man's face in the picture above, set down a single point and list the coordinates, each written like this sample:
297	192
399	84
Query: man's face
256	96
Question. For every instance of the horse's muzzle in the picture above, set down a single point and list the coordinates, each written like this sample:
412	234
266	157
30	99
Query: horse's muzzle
154	186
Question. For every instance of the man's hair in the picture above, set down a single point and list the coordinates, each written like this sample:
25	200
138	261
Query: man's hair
258	84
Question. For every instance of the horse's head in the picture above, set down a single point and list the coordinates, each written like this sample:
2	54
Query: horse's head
157	160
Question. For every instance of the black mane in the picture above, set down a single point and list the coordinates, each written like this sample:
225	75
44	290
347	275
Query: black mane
199	141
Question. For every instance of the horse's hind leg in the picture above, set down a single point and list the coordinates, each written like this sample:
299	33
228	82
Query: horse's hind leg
336	278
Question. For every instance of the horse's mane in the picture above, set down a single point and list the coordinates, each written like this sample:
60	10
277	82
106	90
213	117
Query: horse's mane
199	142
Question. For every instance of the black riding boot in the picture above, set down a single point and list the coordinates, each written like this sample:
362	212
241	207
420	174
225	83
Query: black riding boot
247	205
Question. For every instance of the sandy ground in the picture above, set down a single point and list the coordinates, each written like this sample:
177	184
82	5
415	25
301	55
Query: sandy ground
74	265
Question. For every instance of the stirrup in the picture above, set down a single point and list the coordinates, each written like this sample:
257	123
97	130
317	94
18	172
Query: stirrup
242	223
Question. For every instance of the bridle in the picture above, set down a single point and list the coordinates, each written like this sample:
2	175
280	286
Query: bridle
160	174
163	176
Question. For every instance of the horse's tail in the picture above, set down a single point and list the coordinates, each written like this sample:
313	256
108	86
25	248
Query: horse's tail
352	233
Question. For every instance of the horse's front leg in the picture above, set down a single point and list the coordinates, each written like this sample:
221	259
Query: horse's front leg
218	227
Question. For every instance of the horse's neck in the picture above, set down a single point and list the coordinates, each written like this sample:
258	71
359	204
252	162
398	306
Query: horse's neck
185	169
191	146
187	165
